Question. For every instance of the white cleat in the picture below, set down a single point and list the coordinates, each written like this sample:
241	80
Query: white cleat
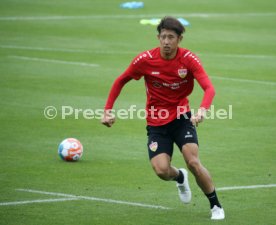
217	213
184	190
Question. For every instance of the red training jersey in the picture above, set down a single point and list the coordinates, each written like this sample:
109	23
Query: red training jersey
168	84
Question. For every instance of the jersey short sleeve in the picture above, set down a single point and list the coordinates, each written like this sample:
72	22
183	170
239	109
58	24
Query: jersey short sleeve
195	66
193	62
136	68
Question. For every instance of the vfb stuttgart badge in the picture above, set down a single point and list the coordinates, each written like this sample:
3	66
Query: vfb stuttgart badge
153	146
182	72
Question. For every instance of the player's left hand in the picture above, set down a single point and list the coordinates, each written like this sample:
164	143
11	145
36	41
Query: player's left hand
198	117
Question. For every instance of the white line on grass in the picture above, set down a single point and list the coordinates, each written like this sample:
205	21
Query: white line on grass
65	50
53	61
187	15
246	187
246	56
37	201
245	80
94	199
69	197
43	48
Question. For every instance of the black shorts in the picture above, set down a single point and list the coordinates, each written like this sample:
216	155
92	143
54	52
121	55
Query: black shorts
161	138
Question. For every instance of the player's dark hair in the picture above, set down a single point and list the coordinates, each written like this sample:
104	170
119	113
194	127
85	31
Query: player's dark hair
171	23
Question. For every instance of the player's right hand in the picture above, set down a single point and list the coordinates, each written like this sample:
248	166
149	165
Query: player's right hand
108	118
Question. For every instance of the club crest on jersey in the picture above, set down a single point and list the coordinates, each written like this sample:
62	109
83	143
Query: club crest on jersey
182	72
153	146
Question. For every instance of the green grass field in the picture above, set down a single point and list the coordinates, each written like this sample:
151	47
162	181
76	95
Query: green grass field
48	52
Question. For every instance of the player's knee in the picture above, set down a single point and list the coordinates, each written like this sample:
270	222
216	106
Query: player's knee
162	172
194	165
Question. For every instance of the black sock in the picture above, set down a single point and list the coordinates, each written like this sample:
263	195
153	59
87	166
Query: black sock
213	199
180	178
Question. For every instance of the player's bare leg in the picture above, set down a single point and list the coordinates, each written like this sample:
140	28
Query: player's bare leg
202	176
161	164
203	179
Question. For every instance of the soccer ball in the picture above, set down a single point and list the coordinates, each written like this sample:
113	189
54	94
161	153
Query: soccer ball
70	149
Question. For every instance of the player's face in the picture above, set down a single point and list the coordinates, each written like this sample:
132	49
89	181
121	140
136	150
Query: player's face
169	41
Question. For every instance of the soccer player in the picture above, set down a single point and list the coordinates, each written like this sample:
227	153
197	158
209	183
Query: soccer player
169	72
